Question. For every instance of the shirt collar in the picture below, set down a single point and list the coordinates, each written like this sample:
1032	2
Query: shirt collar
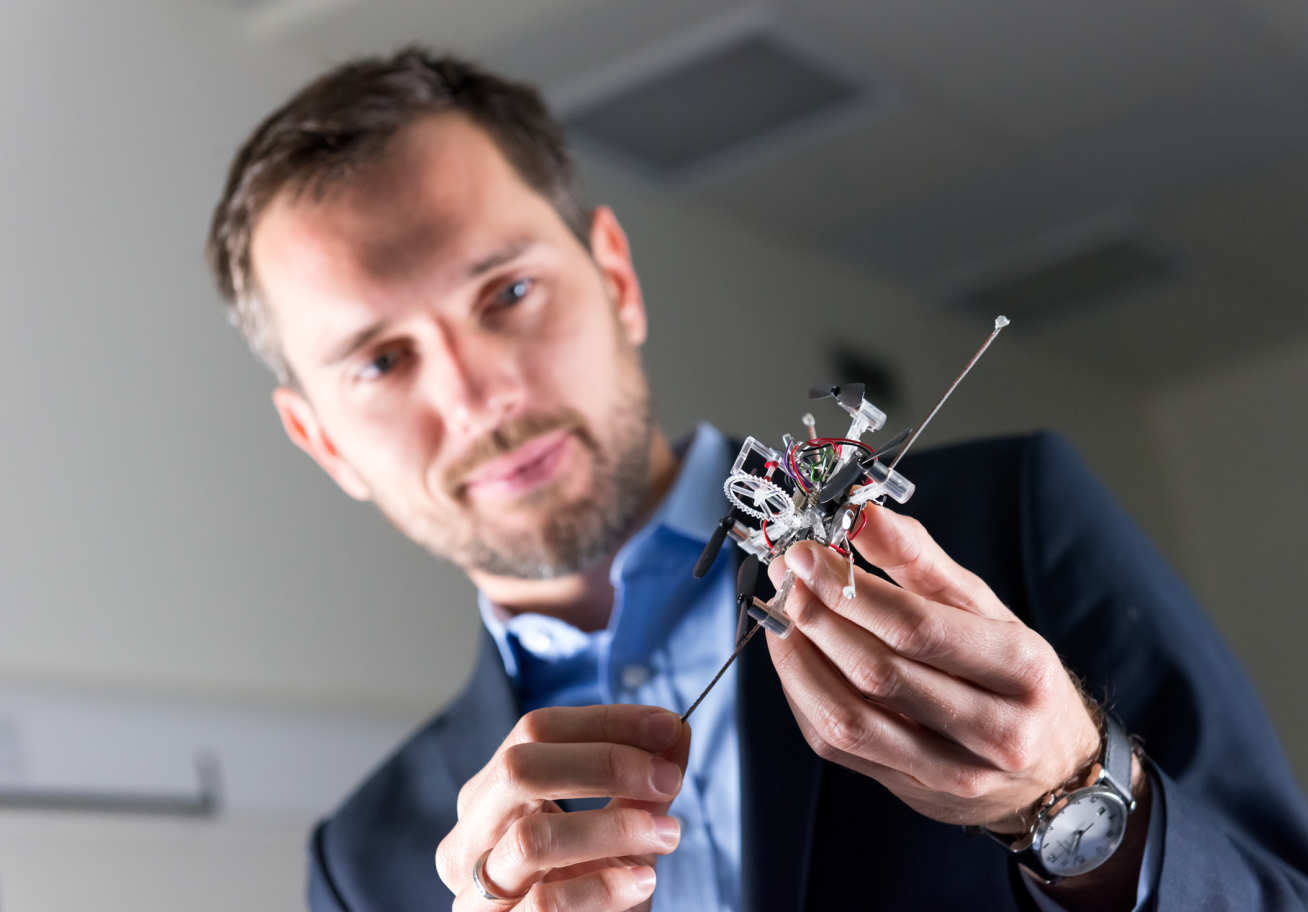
688	508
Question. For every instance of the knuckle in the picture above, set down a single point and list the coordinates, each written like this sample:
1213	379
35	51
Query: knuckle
909	544
443	865
803	605
608	723
1018	750
532	726
630	826
543	898
612	766
1033	661
966	782
877	678
842	728
528	840
515	765
920	637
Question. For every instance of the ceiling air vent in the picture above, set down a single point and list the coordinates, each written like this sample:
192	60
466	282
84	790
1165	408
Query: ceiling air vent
1042	291
718	102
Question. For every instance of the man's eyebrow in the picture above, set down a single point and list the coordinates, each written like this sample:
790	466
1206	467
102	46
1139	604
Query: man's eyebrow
509	252
353	343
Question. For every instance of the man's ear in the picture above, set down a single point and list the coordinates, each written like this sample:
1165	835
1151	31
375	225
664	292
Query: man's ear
301	425
608	247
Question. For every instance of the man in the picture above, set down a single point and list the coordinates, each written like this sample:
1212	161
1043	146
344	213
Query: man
456	340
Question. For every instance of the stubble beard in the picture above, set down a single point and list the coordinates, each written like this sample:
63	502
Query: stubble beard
572	534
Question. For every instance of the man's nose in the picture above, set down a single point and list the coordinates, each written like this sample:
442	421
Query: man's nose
478	384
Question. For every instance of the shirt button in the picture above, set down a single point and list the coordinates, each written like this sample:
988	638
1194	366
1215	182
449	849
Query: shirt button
537	641
634	676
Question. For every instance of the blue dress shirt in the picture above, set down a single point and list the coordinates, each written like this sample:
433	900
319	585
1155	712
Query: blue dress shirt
668	634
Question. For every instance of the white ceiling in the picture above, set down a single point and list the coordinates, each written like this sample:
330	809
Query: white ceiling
1009	123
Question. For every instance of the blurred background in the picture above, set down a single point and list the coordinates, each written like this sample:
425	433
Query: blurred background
813	190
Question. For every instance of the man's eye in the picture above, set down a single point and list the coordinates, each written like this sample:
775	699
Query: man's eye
514	292
380	365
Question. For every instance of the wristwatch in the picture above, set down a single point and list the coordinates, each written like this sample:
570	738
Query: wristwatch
1075	831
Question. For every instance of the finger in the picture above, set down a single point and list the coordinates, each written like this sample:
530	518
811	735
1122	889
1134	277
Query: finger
678	754
848	725
901	546
1003	656
525	777
539	843
650	728
895	780
987	725
610	889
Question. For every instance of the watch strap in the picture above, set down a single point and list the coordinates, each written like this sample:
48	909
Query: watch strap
1117	758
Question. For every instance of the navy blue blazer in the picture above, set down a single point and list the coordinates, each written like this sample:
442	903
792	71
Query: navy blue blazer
1026	515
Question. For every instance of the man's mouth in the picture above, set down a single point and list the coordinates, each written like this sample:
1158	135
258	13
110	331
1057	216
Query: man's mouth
523	469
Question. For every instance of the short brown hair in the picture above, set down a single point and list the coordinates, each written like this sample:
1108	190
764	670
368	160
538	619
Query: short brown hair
345	118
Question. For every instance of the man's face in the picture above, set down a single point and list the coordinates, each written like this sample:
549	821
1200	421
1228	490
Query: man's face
464	362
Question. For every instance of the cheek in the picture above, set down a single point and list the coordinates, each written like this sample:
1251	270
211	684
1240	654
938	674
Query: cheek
577	359
393	452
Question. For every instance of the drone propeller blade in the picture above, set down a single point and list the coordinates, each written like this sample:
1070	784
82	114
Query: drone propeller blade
849	473
891	445
710	552
747	578
850	395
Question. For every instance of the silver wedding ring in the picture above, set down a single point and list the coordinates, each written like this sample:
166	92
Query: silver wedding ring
479	881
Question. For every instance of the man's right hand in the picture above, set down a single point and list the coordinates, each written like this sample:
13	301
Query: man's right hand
588	861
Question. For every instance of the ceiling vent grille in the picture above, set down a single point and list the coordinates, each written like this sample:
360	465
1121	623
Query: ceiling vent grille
717	103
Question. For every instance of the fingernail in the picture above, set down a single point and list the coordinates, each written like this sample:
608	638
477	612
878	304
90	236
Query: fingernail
660	729
668	830
665	777
644	878
800	559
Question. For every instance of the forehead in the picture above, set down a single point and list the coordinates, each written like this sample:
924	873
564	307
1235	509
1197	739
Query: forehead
441	193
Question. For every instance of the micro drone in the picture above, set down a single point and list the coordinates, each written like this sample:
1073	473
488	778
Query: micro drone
814	489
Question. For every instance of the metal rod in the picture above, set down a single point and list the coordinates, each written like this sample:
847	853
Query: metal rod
1000	323
721	671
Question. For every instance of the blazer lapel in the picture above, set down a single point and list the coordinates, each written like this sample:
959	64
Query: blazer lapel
481	717
779	779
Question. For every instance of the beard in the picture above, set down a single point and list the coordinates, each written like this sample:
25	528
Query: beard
571	534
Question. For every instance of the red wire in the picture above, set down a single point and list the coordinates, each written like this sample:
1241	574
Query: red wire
836	441
862	521
765	533
794	469
839	550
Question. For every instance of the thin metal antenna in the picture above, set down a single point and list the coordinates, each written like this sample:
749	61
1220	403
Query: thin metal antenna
721	671
1000	322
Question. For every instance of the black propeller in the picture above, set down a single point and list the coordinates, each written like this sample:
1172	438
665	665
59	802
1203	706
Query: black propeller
850	395
710	552
834	489
747	579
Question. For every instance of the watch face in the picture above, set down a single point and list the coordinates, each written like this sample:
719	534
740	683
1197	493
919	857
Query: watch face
1083	833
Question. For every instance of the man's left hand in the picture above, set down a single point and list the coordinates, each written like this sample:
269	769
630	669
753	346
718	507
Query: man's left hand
932	687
